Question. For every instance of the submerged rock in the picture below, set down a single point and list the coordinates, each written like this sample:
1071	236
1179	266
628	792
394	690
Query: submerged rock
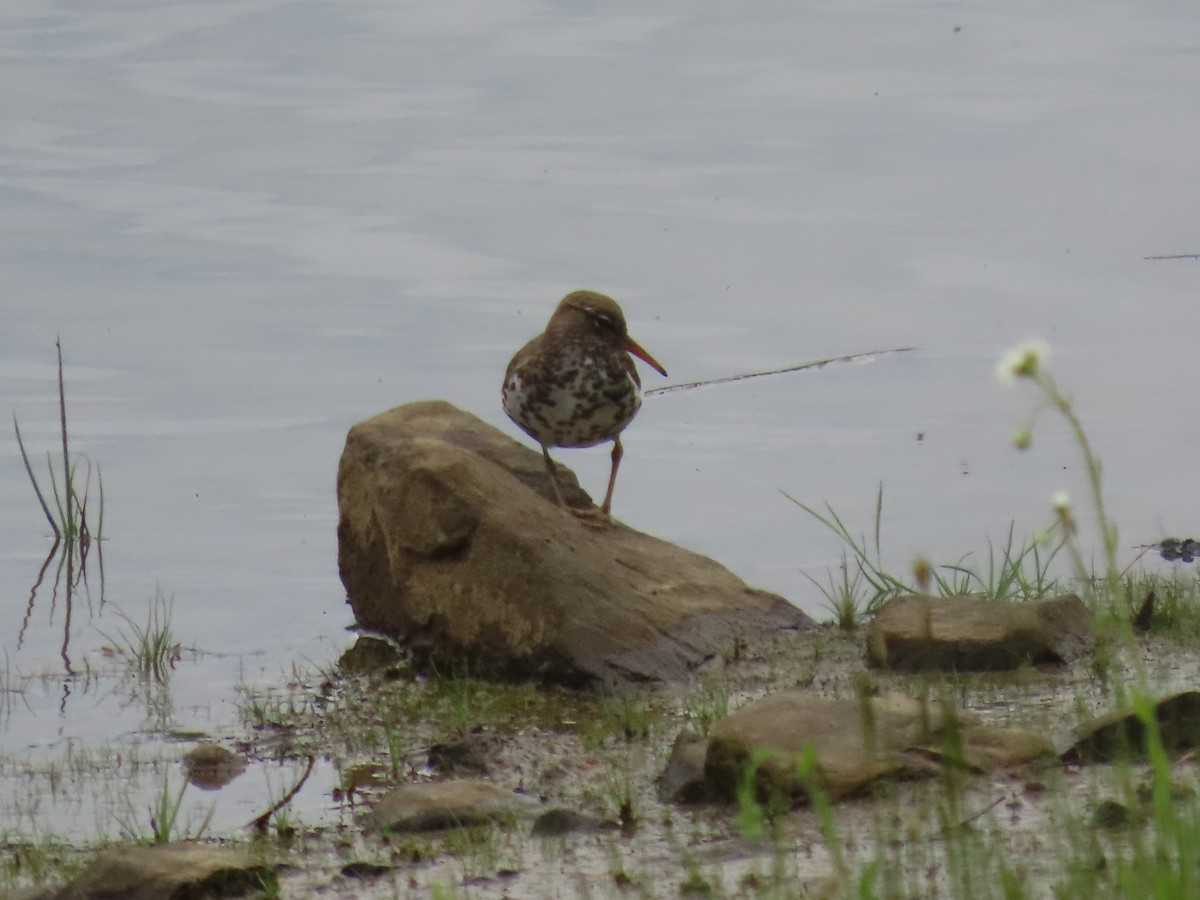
969	634
796	742
210	766
451	542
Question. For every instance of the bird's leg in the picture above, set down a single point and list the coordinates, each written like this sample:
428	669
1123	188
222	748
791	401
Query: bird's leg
550	467
602	517
593	518
617	452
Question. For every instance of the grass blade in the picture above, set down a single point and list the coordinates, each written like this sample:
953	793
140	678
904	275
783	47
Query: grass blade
62	414
32	480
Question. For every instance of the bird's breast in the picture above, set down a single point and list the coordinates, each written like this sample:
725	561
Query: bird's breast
572	398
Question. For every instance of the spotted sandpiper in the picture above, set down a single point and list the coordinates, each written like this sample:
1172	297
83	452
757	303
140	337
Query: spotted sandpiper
575	385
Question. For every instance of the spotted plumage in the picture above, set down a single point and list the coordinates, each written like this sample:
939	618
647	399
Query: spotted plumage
575	384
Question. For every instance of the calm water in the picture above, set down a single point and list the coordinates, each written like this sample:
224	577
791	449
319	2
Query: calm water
256	223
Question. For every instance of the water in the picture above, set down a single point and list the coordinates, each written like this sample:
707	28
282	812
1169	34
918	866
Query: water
254	224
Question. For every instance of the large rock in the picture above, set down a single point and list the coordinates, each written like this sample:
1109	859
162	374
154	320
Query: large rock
852	743
450	541
969	634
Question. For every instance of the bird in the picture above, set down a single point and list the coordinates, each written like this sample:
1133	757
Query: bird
575	385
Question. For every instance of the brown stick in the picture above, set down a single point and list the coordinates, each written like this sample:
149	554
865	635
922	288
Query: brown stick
815	364
971	818
260	823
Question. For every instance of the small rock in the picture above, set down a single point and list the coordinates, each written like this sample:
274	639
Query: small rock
183	869
445	804
778	729
210	766
1111	814
1122	735
853	742
363	870
917	633
472	754
682	781
369	655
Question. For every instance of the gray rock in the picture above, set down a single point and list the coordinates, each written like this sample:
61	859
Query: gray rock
471	754
450	541
371	655
682	780
852	743
969	634
166	871
445	804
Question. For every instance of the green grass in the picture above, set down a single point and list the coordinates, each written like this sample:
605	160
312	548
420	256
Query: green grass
150	649
70	517
165	825
709	704
483	850
862	583
33	859
77	517
630	718
1176	600
162	819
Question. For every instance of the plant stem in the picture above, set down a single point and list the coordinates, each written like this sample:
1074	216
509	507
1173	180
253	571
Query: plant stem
1108	531
62	410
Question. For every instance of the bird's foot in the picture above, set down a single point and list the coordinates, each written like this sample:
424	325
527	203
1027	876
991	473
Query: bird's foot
595	517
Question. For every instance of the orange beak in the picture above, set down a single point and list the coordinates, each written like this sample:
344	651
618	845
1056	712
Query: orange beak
632	346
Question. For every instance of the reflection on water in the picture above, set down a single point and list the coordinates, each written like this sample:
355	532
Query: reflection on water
70	575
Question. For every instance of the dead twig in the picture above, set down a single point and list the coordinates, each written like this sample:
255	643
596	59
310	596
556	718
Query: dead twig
260	823
815	364
971	818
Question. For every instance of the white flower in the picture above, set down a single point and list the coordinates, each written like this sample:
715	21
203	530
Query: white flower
1022	361
1060	501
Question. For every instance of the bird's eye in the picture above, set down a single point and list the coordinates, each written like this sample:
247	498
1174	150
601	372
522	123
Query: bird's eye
605	322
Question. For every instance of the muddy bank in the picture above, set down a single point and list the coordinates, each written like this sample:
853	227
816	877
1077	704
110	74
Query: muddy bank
586	769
